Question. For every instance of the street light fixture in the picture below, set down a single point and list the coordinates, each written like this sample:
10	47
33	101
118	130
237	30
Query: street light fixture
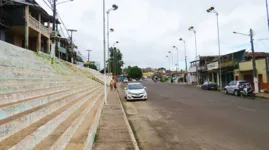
181	39
115	43
113	8
255	80
191	28
177	58
172	59
212	10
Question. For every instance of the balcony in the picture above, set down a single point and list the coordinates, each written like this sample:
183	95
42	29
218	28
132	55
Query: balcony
33	23
202	68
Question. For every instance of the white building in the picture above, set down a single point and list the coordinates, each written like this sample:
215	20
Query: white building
192	73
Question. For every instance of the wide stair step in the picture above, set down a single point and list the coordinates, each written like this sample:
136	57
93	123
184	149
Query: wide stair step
47	106
30	136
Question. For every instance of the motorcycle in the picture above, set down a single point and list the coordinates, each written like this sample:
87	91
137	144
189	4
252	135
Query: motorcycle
247	91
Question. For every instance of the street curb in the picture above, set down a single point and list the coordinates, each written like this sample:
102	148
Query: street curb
131	133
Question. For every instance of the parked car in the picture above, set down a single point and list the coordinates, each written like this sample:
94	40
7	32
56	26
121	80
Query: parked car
209	86
135	91
125	81
234	87
133	80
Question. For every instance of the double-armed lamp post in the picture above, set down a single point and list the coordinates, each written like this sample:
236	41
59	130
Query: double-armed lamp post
212	10
191	28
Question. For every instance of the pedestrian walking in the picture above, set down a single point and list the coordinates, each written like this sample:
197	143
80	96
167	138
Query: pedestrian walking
111	84
115	85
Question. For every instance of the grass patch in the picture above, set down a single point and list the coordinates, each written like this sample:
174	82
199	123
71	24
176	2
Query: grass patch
135	134
96	137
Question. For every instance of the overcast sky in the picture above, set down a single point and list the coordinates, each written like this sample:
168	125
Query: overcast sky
148	29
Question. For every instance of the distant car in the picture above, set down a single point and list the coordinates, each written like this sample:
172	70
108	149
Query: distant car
135	91
140	80
234	87
209	86
133	80
125	81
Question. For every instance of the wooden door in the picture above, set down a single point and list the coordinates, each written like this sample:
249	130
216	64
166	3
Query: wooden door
260	82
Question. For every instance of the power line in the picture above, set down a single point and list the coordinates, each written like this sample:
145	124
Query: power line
63	24
48	4
62	30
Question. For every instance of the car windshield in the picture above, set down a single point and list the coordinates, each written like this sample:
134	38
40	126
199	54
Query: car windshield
135	86
212	83
241	83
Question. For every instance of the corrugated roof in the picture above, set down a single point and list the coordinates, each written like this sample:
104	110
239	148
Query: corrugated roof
256	54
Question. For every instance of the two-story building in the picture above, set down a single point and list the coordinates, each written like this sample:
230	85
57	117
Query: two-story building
192	76
245	70
29	25
228	63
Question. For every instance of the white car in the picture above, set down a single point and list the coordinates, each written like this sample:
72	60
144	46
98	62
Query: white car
125	81
135	91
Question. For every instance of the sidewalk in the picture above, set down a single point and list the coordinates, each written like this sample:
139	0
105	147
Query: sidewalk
263	95
113	132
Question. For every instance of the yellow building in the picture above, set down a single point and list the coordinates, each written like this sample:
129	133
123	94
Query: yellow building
245	72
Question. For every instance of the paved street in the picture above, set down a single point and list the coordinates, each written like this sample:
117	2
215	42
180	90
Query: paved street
186	118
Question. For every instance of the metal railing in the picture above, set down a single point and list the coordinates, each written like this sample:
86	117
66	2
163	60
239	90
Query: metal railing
38	26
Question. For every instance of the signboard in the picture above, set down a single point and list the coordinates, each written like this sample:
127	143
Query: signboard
214	65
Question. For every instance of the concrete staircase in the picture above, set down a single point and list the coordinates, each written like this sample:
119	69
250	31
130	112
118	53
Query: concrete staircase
44	106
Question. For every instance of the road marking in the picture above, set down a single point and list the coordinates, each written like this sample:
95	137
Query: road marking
245	108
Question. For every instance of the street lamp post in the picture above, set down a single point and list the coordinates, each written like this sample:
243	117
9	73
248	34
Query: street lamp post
255	80
108	51
172	59
168	62
191	28
181	39
114	7
267	13
104	45
212	10
177	58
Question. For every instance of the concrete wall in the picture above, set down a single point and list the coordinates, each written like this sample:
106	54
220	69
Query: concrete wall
18	40
260	66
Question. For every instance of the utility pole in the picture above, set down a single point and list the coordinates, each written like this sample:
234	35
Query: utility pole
255	80
71	42
54	34
89	55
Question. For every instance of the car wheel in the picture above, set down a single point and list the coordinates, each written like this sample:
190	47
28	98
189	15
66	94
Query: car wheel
226	92
236	93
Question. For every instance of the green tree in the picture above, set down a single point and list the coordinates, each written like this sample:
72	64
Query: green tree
115	61
134	72
90	65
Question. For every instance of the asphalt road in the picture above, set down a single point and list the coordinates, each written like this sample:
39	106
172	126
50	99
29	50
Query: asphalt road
183	117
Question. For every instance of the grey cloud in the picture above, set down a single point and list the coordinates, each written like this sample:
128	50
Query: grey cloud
147	29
